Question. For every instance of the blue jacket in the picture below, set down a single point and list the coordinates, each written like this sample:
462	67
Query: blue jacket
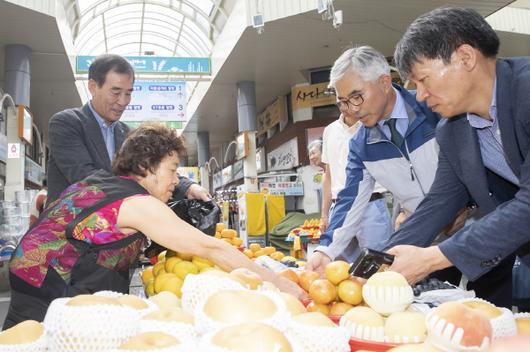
407	173
461	176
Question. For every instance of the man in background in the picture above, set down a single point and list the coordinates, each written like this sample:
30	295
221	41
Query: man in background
86	139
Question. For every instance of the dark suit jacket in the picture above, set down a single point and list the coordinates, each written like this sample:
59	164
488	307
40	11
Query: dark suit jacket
77	149
462	177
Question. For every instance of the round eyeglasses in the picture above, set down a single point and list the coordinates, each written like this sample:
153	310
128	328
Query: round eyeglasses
353	100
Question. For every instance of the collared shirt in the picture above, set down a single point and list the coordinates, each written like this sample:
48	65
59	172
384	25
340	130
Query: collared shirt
335	149
107	131
400	113
489	137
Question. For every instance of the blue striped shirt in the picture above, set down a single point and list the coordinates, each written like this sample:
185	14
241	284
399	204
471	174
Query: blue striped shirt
107	131
489	137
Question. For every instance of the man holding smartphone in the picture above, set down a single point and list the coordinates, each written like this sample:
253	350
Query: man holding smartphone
451	55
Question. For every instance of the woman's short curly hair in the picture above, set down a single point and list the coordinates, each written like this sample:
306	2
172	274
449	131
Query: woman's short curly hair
145	147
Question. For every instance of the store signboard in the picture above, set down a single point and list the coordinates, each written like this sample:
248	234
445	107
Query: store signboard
156	64
33	172
284	157
237	170
191	172
217	180
273	114
158	101
285	188
227	175
311	96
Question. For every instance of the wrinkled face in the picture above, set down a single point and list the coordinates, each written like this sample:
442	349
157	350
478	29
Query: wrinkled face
162	182
367	101
443	87
315	156
111	99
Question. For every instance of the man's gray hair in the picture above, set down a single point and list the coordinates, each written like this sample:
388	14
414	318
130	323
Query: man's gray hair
365	61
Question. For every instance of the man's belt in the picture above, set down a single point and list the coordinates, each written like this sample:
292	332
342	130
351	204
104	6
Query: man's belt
374	196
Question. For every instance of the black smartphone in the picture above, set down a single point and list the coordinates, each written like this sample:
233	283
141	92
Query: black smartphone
370	262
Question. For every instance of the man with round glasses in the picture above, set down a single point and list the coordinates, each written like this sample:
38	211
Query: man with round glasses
395	147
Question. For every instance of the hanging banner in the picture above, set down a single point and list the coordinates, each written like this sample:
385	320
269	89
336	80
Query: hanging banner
273	114
311	96
156	64
284	157
157	101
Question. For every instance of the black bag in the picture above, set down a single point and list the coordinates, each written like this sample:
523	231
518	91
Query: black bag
200	214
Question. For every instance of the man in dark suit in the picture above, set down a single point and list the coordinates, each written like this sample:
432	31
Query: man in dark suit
85	139
450	53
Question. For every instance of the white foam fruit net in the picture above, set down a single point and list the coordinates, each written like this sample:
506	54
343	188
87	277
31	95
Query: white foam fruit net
278	320
88	328
503	325
197	288
319	338
386	300
184	347
182	331
38	345
205	345
151	306
447	337
363	332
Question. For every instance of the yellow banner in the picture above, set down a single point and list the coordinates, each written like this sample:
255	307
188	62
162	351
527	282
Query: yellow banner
311	96
273	114
255	214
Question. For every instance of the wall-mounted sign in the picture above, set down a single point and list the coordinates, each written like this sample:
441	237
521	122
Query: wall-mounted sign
156	64
285	188
261	165
25	124
227	175
13	150
284	157
311	96
159	101
273	114
33	172
217	180
237	170
242	145
191	172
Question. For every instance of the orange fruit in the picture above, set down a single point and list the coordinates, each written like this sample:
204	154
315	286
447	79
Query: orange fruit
259	253
289	274
307	277
248	253
322	291
351	292
337	271
314	307
254	247
339	308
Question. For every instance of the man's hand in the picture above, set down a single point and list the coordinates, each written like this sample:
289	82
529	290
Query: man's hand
317	262
399	220
324	222
197	192
415	263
